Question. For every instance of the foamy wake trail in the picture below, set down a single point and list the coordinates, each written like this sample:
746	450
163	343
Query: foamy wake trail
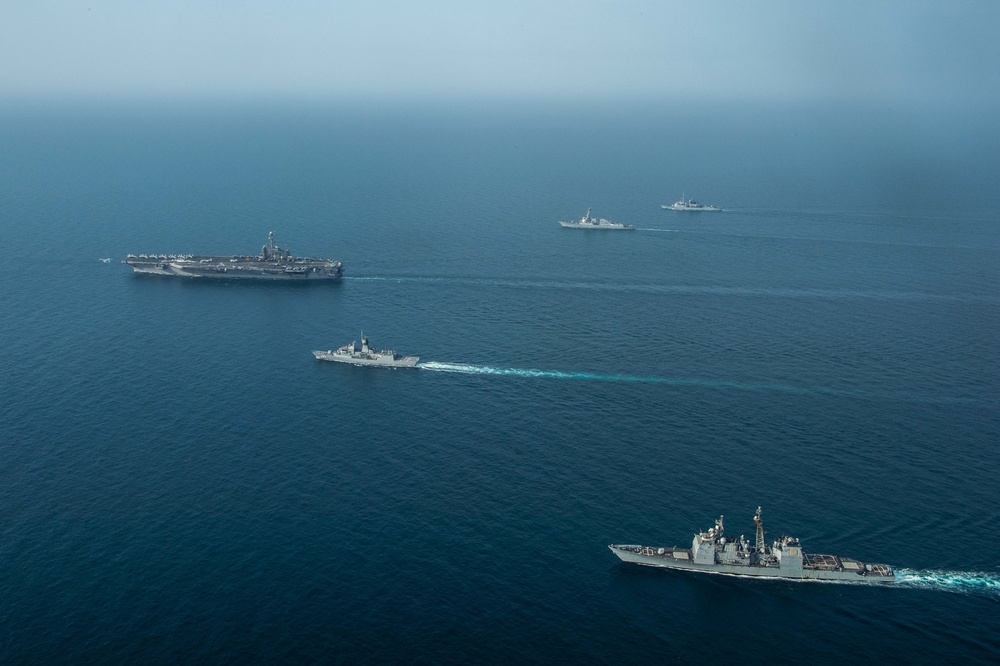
966	582
468	369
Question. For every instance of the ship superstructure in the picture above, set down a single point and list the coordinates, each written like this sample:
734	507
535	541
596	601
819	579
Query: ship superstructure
712	551
273	263
366	355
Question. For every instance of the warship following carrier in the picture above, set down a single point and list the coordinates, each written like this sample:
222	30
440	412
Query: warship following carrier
365	355
714	552
587	222
272	263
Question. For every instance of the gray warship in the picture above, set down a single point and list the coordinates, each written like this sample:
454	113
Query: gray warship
714	552
272	263
587	222
365	355
689	204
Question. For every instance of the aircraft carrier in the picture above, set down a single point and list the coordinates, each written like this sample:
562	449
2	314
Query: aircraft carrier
714	552
272	263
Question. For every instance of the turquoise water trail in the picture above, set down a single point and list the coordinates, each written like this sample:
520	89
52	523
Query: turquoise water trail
963	582
967	582
469	369
669	289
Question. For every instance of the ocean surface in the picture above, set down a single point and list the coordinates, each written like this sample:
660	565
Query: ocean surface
181	481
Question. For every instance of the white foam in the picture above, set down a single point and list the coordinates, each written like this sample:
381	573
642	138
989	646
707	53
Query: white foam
967	582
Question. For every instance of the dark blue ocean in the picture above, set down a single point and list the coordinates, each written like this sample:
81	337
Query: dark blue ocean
181	481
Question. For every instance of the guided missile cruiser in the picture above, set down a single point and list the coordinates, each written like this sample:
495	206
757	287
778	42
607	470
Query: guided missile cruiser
713	552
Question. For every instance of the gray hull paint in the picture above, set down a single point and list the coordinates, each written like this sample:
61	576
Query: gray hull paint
588	222
230	273
381	361
690	205
272	263
667	561
366	355
609	227
714	552
695	209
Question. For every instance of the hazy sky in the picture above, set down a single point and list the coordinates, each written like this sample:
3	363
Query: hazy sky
882	51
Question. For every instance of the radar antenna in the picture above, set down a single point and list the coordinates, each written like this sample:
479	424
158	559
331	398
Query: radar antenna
761	545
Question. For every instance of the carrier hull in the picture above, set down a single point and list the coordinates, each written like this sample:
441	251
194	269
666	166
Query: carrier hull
272	263
222	268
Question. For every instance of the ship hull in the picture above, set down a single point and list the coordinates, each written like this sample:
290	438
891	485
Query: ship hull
241	271
706	209
403	362
272	264
610	227
674	558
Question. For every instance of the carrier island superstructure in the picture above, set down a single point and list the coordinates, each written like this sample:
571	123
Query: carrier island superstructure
272	263
713	552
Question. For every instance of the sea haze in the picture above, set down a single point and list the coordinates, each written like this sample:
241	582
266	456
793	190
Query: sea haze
181	480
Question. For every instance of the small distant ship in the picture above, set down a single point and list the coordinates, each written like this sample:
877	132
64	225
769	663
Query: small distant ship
689	204
714	552
365	355
272	263
587	222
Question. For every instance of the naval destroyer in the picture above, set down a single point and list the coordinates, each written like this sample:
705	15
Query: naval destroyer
714	552
365	355
689	204
272	263
587	222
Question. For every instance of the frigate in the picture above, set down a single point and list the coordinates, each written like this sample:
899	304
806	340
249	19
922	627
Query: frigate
713	552
365	355
587	222
272	263
689	204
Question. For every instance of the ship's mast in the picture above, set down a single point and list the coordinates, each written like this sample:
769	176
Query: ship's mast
761	546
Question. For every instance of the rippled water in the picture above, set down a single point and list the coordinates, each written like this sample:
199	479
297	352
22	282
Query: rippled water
179	479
